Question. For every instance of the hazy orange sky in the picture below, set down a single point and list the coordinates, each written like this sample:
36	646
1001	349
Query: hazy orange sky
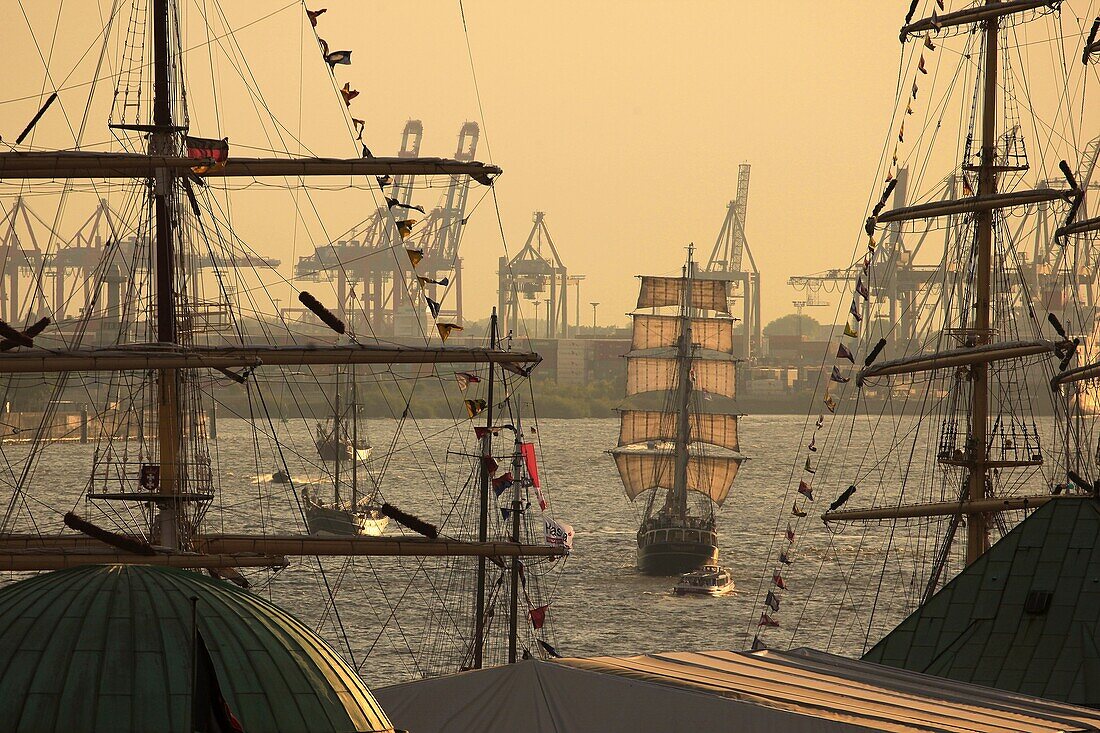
625	122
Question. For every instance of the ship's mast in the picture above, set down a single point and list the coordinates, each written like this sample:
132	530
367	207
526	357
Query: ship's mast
517	508
483	518
683	393
979	350
162	142
977	525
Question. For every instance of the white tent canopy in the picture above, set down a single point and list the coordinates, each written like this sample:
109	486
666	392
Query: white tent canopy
698	691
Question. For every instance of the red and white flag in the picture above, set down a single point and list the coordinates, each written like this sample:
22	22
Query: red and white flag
558	535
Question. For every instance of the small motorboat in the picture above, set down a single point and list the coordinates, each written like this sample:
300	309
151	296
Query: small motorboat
280	477
709	580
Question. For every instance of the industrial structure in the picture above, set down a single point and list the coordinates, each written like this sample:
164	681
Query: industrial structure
76	280
1059	272
371	263
538	275
727	263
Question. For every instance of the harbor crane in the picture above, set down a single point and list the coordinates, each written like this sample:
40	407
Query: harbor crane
727	263
535	273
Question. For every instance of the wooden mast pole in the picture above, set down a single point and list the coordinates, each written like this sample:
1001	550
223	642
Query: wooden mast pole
161	142
483	519
517	508
977	524
683	392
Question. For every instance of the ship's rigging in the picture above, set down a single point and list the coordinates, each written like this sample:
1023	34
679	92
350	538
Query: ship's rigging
165	341
928	437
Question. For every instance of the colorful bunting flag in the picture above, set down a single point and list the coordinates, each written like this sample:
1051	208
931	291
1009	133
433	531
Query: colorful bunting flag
806	490
359	125
790	535
445	330
854	310
813	444
914	90
850	331
820	422
348	94
313	15
415	255
772	602
433	306
757	645
766	620
551	651
830	403
473	407
338	57
428	281
796	511
502	483
366	151
862	289
920	65
843	352
538	616
383	181
901	132
487	462
909	108
405	227
785	558
808	468
392	202
968	190
928	42
465	379
839	378
778	580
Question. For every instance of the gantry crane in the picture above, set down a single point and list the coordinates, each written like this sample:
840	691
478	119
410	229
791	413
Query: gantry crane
727	263
533	275
372	258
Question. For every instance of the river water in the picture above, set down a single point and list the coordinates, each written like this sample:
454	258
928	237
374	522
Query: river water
599	603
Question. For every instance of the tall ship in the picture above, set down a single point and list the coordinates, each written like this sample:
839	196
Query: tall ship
176	316
678	448
892	500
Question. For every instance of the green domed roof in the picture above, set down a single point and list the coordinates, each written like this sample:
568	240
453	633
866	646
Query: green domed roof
109	648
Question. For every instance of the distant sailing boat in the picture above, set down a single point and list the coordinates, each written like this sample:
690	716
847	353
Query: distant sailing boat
678	430
334	442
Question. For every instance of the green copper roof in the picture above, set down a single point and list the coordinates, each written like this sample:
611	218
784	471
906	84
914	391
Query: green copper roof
109	648
1024	617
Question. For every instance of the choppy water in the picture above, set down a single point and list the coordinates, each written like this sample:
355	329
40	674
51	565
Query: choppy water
600	604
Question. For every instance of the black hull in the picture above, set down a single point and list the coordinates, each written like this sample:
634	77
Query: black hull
675	558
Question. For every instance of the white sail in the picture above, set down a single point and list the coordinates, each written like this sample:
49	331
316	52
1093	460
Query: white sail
643	426
645	469
651	332
659	292
649	374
